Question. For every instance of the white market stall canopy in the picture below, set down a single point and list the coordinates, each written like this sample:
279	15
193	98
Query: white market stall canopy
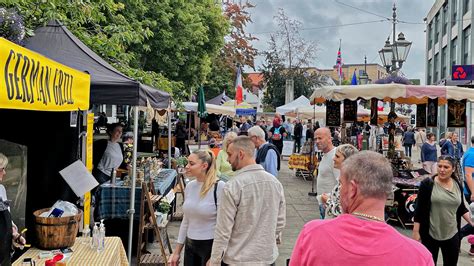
301	101
319	112
211	108
400	93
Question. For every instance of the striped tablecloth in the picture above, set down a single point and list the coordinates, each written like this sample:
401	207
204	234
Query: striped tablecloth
113	254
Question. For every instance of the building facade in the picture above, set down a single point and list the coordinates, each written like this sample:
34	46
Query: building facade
374	72
448	38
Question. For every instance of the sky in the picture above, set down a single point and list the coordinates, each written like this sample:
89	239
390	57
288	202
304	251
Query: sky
357	40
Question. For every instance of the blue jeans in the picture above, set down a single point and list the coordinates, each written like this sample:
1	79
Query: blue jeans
322	211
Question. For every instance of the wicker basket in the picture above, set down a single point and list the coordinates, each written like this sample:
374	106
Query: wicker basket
56	232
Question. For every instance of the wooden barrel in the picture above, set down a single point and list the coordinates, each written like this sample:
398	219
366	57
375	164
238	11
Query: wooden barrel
56	232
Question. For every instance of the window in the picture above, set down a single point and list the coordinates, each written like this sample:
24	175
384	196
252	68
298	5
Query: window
466	59
454	51
466	6
455	13
430	36
436	31
435	68
445	19
429	72
444	62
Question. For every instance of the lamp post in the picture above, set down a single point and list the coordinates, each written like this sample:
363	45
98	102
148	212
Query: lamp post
392	56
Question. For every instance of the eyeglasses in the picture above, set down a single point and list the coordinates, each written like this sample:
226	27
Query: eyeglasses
447	158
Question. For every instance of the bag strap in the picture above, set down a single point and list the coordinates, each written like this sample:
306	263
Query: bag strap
215	193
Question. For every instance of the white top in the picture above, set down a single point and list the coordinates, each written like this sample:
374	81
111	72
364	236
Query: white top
3	194
200	214
327	174
111	159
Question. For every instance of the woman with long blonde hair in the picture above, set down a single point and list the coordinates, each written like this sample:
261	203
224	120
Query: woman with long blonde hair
196	232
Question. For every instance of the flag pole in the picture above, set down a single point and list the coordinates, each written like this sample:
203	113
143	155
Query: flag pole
340	64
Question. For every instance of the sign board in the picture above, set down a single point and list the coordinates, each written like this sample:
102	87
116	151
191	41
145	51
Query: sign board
432	115
333	114
30	81
462	72
350	111
287	147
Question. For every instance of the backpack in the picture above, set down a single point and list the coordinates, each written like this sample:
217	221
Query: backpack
276	134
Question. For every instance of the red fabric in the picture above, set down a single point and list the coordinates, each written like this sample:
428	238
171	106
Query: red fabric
348	240
238	88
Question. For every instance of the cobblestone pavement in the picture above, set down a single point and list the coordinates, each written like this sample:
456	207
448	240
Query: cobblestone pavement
300	209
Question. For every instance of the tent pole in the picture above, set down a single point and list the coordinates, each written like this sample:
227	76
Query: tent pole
199	133
131	210
169	135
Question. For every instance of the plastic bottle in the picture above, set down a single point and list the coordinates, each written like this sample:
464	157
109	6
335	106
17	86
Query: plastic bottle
95	236
114	177
101	242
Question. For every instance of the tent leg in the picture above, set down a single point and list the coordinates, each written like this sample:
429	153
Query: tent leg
169	136
131	210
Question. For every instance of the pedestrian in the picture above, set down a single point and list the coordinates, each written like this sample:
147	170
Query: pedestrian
309	132
267	154
224	169
428	154
408	141
203	197
181	134
244	127
467	164
298	134
327	175
453	147
252	213
443	141
439	208
333	205
360	235
277	133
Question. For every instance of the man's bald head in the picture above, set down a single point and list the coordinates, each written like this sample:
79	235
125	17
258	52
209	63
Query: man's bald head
322	136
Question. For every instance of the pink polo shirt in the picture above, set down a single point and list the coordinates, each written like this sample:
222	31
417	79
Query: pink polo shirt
348	240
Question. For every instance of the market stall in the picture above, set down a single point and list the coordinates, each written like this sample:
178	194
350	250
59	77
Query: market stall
241	109
39	115
291	107
108	85
427	99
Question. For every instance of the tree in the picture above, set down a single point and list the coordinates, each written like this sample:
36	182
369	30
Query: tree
238	49
288	57
166	44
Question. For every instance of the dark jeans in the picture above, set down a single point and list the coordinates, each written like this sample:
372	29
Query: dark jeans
181	145
197	252
297	147
449	249
408	150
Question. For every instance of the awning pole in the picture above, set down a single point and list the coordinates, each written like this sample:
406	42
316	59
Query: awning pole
169	135
131	210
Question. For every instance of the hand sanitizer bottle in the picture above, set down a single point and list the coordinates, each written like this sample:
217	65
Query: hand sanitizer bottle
95	236
101	241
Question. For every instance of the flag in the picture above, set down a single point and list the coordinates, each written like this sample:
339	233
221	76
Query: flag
202	111
339	62
354	79
223	99
238	88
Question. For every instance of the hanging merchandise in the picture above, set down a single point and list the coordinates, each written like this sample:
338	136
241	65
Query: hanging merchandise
373	111
333	114
432	117
350	111
421	115
456	113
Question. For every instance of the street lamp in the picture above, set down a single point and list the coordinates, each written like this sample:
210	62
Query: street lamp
394	54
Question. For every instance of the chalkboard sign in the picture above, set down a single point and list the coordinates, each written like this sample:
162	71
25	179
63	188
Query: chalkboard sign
456	113
374	111
421	115
350	111
432	116
333	114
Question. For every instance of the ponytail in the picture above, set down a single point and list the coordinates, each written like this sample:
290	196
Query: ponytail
206	156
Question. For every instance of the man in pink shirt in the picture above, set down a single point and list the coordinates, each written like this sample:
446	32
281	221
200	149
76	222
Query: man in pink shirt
360	236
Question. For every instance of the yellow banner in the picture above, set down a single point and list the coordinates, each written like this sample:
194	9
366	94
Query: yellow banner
89	138
30	81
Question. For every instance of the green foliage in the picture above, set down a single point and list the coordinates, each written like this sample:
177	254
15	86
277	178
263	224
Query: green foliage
166	44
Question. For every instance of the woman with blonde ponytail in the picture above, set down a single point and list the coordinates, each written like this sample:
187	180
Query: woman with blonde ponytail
196	233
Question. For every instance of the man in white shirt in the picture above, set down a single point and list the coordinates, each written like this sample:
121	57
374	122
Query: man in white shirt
327	174
252	212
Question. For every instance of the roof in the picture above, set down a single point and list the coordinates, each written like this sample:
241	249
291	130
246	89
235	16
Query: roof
108	85
256	78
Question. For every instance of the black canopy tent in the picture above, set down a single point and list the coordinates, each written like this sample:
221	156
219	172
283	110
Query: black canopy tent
108	85
219	99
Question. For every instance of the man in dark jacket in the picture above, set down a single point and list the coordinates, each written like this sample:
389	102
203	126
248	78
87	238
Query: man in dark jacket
298	133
